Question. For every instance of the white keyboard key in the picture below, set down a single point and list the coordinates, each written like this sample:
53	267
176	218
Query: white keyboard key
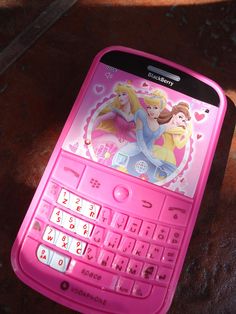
84	228
50	235
57	216
76	203
64	198
59	262
69	222
63	241
77	247
90	210
44	254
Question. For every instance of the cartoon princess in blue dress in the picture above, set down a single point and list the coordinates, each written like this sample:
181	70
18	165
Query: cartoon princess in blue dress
137	158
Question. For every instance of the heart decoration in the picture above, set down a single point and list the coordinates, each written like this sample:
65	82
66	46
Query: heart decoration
199	116
74	147
199	136
145	84
99	89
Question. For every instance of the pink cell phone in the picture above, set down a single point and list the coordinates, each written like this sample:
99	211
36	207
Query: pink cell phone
110	223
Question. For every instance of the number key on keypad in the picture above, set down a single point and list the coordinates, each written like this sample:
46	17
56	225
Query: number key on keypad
69	222
76	204
59	262
90	210
57	216
83	228
44	254
50	235
63	241
77	247
64	198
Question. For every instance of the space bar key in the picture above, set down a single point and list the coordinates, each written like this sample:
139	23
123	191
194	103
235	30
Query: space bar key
92	275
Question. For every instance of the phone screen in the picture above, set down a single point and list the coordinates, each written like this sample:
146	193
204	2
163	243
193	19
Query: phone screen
141	126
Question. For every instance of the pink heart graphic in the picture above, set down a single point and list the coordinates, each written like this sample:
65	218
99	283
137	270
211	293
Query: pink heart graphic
99	89
199	116
145	84
74	147
199	136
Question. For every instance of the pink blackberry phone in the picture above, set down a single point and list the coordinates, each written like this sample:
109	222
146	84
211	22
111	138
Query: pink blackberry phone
110	223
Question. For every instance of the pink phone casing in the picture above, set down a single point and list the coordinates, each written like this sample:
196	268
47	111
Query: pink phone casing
86	268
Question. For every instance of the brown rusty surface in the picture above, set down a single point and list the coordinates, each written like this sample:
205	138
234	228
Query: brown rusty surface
15	15
36	95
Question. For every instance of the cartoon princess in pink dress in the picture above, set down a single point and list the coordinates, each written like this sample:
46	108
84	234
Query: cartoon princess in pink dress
118	117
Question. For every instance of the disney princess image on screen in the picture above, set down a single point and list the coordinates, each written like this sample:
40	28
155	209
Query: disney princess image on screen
142	133
118	117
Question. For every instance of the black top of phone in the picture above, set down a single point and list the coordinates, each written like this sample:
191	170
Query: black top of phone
140	66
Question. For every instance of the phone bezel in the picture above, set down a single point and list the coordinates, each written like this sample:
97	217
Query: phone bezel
137	65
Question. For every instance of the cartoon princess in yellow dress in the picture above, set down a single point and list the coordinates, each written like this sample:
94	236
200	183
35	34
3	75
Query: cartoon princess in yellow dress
177	132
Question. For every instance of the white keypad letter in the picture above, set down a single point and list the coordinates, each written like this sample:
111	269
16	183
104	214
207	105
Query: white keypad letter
63	241
44	254
50	234
76	204
57	216
77	247
59	262
84	229
69	222
64	198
